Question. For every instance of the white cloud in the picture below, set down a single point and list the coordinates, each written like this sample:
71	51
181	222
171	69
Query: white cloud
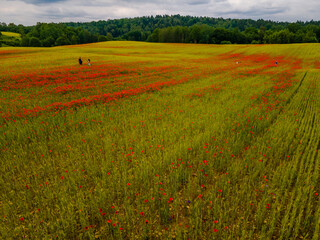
29	12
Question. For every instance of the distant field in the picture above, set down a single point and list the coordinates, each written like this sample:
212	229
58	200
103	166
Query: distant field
11	34
160	141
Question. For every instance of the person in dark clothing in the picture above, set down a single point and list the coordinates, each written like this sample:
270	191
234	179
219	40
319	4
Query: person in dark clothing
80	61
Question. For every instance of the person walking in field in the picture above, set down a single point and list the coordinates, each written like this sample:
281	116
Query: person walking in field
89	63
80	61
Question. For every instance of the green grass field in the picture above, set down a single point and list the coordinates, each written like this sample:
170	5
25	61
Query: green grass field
11	34
160	141
10	39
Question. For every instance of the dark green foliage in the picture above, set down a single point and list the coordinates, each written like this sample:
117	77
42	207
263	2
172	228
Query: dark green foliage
34	42
188	29
109	37
25	41
48	42
63	40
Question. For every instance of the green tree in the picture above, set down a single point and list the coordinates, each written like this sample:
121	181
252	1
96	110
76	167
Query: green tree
102	38
252	34
34	42
134	35
280	37
294	27
221	34
109	37
310	37
262	33
48	42
154	37
63	40
75	39
25	41
194	34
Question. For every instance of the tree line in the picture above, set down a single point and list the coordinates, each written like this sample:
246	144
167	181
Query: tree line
165	28
51	34
206	34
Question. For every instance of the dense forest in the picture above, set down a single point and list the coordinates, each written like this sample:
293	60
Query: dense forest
175	28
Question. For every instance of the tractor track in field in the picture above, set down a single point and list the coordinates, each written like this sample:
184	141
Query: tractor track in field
297	89
274	118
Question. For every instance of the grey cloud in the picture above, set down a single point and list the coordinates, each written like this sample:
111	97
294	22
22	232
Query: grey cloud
254	11
192	2
42	2
59	13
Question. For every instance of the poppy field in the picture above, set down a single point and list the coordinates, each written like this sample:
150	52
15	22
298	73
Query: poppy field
160	141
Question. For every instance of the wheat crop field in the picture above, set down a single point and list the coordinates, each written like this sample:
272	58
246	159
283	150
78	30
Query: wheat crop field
160	141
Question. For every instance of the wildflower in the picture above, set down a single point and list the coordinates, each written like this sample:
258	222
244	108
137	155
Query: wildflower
141	213
215	230
86	228
21	219
147	222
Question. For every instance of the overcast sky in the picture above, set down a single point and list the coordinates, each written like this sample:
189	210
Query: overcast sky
29	12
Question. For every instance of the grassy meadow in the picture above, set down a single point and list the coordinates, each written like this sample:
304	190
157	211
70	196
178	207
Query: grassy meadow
160	141
9	38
